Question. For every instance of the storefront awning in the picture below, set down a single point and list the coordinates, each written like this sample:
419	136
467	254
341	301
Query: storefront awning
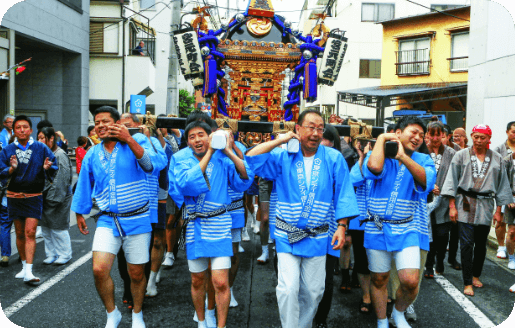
393	95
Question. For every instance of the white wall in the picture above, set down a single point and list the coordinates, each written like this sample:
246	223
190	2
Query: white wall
491	92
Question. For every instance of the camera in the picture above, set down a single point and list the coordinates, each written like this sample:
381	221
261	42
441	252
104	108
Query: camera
391	148
133	131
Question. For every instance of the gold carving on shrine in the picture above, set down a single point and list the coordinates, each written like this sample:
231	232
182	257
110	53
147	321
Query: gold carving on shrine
259	26
262	8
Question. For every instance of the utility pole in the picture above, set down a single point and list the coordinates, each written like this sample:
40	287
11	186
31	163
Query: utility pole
172	94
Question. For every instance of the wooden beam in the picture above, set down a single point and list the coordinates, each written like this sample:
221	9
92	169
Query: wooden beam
251	126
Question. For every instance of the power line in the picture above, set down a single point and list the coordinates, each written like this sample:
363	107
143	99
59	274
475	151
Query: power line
139	12
441	12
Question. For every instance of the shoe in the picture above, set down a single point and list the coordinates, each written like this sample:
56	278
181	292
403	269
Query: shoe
321	325
21	274
256	228
210	318
158	276
501	253
512	288
263	259
233	302
62	261
50	260
137	320
429	273
195	318
39	233
151	291
113	318
30	278
169	260
455	265
511	264
5	261
241	249
245	235
391	321
410	313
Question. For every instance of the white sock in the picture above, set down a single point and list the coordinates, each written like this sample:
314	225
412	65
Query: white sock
113	318
28	268
264	249
400	319
152	279
24	264
501	248
169	254
382	323
512	257
137	320
202	324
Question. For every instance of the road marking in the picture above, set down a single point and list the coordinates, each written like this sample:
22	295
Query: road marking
45	286
469	307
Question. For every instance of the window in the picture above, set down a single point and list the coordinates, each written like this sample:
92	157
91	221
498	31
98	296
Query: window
444	7
103	38
377	12
370	68
413	57
147	4
459	52
74	4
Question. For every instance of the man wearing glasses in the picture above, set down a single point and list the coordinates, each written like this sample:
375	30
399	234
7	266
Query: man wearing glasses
309	183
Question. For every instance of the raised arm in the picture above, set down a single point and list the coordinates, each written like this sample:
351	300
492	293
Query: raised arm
267	147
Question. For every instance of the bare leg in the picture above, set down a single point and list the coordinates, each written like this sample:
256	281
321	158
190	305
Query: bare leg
220	280
379	293
171	236
235	262
138	284
510	239
364	281
408	289
31	225
500	233
19	227
102	264
263	226
198	293
157	250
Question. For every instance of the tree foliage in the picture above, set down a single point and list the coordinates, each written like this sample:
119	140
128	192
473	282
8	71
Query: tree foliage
186	103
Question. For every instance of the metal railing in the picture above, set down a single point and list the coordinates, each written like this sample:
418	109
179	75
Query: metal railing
459	64
412	62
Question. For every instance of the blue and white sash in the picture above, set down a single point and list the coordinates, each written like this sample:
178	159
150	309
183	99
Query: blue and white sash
307	196
109	166
396	185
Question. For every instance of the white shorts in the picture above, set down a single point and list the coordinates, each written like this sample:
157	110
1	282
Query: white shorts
236	235
135	247
217	263
380	261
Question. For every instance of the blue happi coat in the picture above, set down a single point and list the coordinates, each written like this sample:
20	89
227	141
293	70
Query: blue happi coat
173	189
153	180
4	138
119	185
238	215
305	206
204	193
363	187
395	195
30	176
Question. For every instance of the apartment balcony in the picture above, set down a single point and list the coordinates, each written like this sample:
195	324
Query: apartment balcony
412	62
459	64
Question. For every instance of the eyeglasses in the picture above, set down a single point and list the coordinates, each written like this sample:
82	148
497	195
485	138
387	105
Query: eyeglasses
312	129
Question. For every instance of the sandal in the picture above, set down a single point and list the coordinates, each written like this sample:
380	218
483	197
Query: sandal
127	300
345	286
429	273
363	306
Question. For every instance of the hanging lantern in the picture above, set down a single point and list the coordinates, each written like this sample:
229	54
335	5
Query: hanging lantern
188	53
332	61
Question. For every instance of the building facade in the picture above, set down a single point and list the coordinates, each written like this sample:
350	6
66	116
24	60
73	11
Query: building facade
362	66
491	93
55	84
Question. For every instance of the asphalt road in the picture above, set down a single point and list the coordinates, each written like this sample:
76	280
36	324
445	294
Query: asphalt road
67	296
